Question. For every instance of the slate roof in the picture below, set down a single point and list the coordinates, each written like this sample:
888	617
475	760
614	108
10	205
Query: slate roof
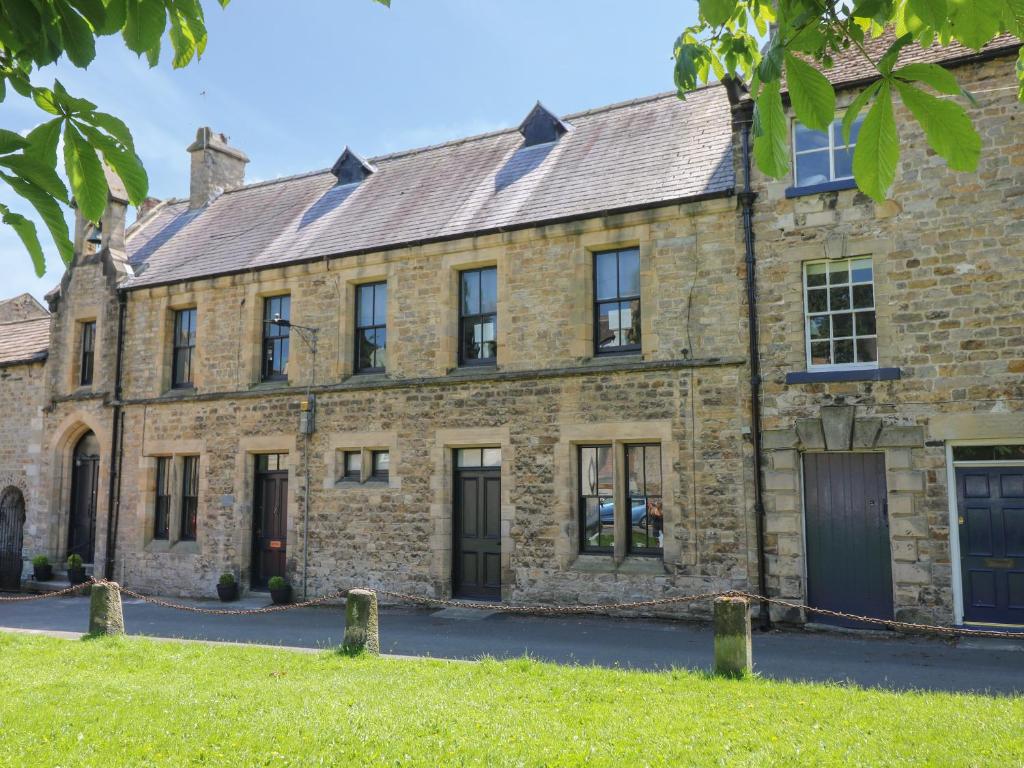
636	154
24	341
850	67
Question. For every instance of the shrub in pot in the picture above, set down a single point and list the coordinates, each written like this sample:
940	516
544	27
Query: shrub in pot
76	570
280	590
41	568
227	588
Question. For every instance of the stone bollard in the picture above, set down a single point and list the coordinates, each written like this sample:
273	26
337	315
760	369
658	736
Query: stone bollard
733	654
361	633
105	615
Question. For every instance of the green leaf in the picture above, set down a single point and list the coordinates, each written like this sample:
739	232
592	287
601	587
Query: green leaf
946	125
771	148
814	99
71	104
88	182
43	140
687	57
38	172
93	11
26	230
124	163
11	141
144	24
77	36
116	14
975	22
44	99
888	60
49	211
877	150
717	12
1020	74
855	107
770	66
931	12
115	126
181	41
942	80
153	54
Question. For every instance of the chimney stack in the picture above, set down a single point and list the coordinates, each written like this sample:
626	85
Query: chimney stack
145	207
216	167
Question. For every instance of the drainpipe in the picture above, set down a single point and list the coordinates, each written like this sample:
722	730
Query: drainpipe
746	198
116	443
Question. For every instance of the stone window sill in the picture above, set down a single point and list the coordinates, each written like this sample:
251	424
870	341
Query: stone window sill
816	189
838	375
273	384
632	565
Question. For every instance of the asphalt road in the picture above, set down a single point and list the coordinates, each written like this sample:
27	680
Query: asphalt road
984	666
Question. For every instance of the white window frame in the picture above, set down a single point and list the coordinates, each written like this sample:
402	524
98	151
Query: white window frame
832	148
855	366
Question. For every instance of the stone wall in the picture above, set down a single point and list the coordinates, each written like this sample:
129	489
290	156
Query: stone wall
548	393
949	286
22	389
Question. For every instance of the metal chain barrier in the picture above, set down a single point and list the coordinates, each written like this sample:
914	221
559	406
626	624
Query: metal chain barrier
44	595
539	610
902	626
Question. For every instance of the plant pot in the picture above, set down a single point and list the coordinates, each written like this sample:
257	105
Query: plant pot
281	596
227	592
42	572
77	575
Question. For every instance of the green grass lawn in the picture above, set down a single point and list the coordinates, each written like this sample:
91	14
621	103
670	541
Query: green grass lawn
144	703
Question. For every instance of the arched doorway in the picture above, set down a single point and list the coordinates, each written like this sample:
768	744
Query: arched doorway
85	474
12	525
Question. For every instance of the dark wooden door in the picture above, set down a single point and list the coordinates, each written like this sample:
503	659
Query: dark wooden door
270	527
12	527
82	519
990	504
849	559
477	559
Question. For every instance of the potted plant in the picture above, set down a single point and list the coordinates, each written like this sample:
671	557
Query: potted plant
41	568
227	588
280	590
76	571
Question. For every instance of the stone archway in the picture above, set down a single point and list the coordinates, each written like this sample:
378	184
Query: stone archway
12	530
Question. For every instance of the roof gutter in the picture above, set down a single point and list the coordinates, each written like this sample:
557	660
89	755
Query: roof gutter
729	192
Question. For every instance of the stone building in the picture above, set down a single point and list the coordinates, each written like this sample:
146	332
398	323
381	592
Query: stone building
892	353
517	367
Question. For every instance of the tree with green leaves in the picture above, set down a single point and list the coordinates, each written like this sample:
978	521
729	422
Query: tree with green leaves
803	36
35	33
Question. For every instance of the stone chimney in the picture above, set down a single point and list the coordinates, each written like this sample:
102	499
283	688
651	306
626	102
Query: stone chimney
216	167
145	207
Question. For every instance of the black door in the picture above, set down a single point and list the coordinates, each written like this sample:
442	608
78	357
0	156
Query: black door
990	503
270	526
85	474
849	560
477	560
12	526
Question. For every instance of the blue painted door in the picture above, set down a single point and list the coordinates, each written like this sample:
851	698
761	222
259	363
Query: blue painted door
990	503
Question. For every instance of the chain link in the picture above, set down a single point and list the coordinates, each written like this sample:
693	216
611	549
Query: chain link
44	595
539	610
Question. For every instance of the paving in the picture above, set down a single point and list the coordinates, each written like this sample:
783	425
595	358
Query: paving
892	662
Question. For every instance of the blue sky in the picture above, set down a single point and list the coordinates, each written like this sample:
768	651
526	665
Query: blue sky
293	83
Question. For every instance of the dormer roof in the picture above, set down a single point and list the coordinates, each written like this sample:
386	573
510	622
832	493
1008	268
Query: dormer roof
350	168
542	126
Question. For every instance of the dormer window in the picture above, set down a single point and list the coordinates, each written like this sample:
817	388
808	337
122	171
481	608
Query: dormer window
542	126
350	168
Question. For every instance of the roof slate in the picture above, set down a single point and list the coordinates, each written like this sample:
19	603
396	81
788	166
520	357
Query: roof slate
24	341
640	153
850	67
